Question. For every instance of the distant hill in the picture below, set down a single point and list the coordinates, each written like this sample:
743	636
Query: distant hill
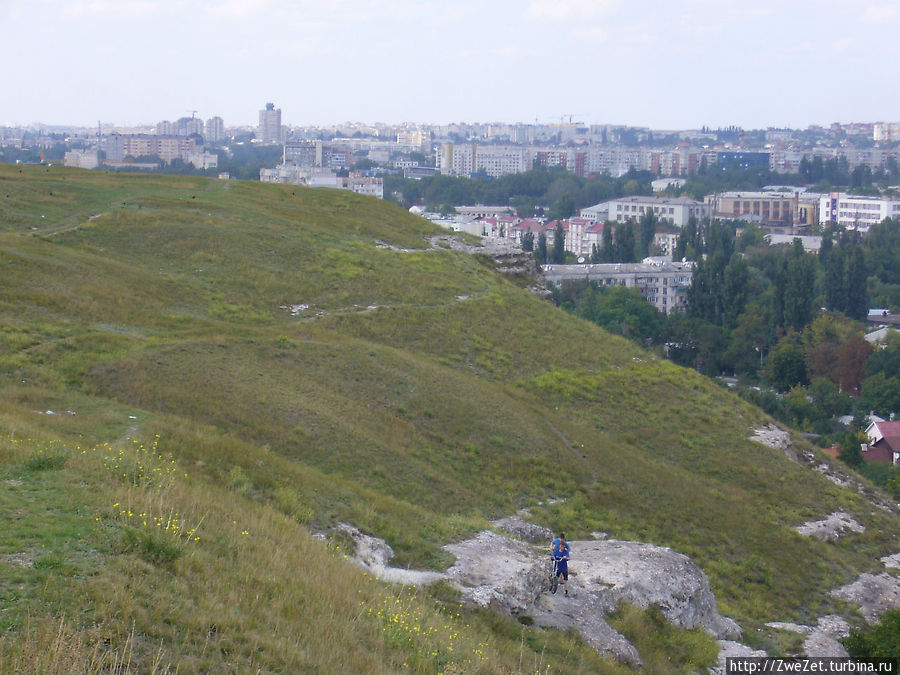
195	375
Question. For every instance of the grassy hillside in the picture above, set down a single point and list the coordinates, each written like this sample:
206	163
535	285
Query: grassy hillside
412	391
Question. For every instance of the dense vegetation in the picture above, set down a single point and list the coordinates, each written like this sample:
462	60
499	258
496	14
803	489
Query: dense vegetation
779	317
197	375
555	189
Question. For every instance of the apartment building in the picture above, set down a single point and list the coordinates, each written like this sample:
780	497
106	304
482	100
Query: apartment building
886	131
215	130
663	283
598	213
771	208
167	148
856	212
82	159
676	210
270	129
362	185
494	160
317	154
312	176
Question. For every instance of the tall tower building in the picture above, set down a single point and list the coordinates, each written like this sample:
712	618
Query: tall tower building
215	130
270	125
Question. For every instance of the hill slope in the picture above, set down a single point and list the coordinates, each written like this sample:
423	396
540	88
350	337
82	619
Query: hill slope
310	356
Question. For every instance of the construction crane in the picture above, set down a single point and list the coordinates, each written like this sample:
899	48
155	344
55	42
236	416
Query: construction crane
193	113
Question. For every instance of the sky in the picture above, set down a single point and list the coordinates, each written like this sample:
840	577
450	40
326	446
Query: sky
667	65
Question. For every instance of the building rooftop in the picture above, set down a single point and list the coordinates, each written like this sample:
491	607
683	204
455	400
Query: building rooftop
671	201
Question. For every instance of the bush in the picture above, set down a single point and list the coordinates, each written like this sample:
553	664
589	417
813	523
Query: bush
880	641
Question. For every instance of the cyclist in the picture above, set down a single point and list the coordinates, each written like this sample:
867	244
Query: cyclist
559	549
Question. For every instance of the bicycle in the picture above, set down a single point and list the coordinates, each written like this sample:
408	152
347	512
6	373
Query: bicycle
554	579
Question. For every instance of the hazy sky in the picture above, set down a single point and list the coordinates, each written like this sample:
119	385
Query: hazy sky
674	64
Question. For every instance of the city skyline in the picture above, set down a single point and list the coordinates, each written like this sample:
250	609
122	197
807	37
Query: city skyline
652	64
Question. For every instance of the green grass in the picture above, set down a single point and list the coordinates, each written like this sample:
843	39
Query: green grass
663	647
419	395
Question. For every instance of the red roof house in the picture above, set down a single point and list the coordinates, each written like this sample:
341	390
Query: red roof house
884	443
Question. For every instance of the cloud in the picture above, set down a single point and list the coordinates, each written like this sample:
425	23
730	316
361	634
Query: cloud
592	33
561	10
881	13
121	8
239	9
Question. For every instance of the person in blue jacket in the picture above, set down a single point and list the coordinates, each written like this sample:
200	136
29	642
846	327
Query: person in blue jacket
560	552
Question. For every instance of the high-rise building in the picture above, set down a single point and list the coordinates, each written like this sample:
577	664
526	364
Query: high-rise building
270	125
215	130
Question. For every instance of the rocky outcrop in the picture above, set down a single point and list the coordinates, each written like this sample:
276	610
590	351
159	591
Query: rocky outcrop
874	595
643	575
730	649
892	561
497	571
831	528
493	570
374	554
779	439
823	639
512	576
522	529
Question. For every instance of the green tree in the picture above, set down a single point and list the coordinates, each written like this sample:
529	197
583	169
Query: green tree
881	395
887	360
608	249
564	207
647	227
795	289
623	311
857	306
558	252
540	251
849	451
695	343
624	244
750	339
879	641
785	366
528	241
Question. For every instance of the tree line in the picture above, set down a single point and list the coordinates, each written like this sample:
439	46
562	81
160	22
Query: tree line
785	323
558	191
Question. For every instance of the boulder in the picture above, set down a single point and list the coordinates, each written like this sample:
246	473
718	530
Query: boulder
643	575
518	527
874	595
832	527
493	570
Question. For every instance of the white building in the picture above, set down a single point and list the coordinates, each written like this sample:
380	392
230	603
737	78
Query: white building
202	160
270	130
82	159
363	185
856	212
663	184
663	283
676	210
886	131
322	177
482	211
215	130
598	213
494	160
500	160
